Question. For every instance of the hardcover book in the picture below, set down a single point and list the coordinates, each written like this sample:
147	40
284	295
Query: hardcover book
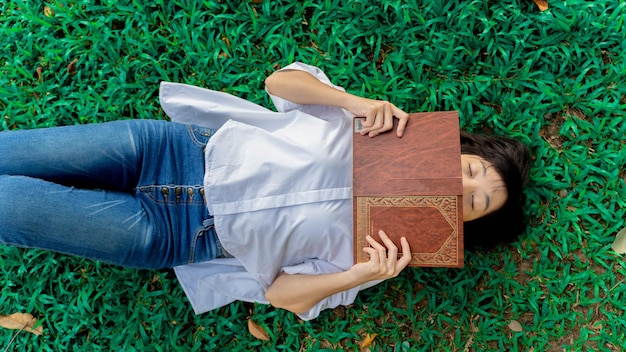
411	187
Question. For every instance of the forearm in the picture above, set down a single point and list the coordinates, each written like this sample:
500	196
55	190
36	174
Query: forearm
299	293
303	88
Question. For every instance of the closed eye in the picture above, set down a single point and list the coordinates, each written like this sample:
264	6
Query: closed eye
487	198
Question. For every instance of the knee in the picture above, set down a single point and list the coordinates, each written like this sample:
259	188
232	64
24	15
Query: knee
14	208
20	198
11	195
8	186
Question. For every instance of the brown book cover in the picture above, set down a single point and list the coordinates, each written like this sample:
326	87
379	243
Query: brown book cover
412	187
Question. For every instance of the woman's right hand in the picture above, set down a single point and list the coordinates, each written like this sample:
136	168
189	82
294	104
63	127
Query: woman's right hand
384	262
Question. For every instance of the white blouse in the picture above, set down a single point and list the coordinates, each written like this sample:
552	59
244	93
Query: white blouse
279	185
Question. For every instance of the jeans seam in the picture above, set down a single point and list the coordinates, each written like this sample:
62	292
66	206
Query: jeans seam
193	130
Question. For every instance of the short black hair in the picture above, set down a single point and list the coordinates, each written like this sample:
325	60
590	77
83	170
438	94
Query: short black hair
511	159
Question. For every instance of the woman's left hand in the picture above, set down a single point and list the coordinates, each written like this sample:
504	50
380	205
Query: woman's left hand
298	292
384	262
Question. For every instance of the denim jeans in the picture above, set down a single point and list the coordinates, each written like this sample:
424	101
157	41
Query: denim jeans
124	192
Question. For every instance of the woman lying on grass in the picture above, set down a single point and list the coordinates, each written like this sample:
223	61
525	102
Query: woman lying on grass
244	203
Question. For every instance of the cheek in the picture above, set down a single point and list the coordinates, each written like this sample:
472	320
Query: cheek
468	215
499	199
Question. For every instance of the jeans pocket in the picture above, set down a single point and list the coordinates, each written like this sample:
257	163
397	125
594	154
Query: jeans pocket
200	135
203	246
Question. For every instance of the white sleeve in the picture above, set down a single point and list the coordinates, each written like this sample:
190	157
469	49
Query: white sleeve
208	108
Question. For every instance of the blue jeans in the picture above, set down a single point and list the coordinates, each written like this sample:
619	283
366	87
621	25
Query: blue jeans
124	192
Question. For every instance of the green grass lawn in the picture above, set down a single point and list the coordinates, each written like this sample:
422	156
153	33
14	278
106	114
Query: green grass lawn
555	79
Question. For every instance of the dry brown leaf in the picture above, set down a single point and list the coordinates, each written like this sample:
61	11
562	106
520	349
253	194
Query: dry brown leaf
257	331
48	12
38	73
20	321
226	41
619	245
515	326
368	340
542	4
71	68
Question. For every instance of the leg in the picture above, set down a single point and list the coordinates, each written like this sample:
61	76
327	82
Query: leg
159	222
87	156
104	225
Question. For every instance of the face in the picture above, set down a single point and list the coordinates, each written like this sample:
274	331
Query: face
484	190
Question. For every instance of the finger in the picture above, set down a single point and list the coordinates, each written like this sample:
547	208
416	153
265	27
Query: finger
378	123
370	117
375	244
403	120
368	123
406	247
384	121
406	254
392	250
387	241
373	254
364	122
390	112
388	123
381	252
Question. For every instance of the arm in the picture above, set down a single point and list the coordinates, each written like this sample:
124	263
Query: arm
299	293
303	88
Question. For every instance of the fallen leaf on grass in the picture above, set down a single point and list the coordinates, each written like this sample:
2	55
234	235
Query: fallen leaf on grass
542	4
38	73
368	340
515	326
597	327
48	12
257	331
71	68
619	245
226	41
20	321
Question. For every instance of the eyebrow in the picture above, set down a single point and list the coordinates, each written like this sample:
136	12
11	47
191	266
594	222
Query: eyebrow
487	198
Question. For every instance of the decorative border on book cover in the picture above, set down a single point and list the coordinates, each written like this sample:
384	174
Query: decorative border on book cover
447	255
